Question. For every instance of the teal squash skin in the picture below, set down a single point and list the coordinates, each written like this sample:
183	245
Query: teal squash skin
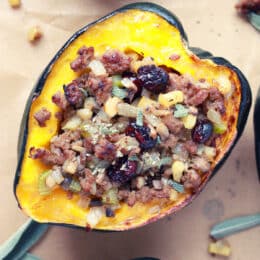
173	20
257	131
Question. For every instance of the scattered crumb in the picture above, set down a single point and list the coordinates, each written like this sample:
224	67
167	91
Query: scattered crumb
15	3
220	247
34	34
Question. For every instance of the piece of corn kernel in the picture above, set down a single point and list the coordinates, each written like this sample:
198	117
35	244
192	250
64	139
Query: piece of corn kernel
110	106
177	170
221	247
15	3
189	121
146	102
34	34
171	98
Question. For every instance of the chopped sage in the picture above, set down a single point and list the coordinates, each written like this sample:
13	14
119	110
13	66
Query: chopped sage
119	92
139	118
176	186
180	111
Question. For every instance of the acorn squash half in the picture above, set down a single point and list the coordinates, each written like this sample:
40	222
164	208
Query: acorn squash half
150	30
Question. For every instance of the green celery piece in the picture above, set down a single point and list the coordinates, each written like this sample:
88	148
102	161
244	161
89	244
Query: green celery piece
42	188
116	81
234	225
22	240
220	128
119	92
254	19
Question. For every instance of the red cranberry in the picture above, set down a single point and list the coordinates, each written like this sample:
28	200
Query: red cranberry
202	131
123	171
153	78
142	134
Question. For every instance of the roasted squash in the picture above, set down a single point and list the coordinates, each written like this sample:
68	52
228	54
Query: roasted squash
152	31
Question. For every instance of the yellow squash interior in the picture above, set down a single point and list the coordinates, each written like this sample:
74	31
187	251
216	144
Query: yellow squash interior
149	35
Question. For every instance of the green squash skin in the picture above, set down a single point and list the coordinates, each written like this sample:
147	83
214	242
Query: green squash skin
257	131
244	109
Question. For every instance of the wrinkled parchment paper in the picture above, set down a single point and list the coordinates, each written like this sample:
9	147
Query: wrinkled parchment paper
211	25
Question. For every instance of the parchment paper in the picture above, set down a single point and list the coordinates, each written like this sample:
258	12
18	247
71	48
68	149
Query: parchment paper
211	25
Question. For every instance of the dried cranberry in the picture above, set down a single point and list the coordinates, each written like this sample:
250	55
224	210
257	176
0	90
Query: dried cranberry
142	134
153	78
202	131
129	74
74	95
123	171
95	203
149	181
66	182
110	213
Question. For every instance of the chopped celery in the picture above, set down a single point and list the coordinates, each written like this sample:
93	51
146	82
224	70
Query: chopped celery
116	81
75	186
220	128
42	187
180	111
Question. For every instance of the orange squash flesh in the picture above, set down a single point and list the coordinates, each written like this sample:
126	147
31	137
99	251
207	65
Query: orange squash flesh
149	35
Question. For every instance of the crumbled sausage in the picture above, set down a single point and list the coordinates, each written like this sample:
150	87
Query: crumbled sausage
194	95
191	147
105	150
215	101
144	194
170	142
88	183
115	61
85	55
100	87
175	125
42	116
60	100
74	94
200	163
191	179
131	199
177	82
46	156
88	145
